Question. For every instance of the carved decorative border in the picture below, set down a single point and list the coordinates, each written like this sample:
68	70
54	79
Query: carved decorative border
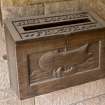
51	19
62	30
66	29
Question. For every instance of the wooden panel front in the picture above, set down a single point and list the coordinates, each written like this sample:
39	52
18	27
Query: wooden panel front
57	63
79	55
53	64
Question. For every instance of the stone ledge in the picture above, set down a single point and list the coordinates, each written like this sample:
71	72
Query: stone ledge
46	1
27	2
98	100
73	94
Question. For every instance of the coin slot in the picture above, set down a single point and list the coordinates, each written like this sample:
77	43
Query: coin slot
50	25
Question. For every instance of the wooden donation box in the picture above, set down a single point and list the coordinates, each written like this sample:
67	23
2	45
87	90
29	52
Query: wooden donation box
49	53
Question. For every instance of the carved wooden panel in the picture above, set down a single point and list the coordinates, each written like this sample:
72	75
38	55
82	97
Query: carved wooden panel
49	65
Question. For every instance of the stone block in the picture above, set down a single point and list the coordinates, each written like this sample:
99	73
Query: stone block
60	7
4	81
73	95
12	11
16	2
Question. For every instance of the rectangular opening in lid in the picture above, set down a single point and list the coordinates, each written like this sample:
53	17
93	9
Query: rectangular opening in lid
56	24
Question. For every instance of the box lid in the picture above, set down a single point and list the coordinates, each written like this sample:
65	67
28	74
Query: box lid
26	28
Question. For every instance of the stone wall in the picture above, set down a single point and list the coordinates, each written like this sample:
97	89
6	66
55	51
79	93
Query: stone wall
18	8
97	6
